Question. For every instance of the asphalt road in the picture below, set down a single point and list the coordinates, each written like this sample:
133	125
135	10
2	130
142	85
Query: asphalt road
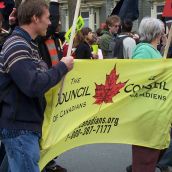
97	158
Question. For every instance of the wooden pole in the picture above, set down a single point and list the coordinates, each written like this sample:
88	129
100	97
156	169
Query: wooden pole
71	41
74	28
168	43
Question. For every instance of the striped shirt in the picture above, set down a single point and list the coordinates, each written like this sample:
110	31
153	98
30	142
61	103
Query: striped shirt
18	47
30	78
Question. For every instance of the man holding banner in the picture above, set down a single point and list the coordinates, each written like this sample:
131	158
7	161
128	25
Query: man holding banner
28	79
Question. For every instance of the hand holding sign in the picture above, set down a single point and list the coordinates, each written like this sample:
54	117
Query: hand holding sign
68	62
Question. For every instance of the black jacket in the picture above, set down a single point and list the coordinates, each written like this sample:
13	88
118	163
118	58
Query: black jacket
83	51
127	9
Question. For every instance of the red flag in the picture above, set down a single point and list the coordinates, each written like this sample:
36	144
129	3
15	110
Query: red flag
2	5
167	9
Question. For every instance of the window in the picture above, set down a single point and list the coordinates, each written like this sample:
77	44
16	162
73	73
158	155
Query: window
95	21
85	16
159	10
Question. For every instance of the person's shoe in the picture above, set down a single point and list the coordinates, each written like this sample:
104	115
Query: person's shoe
56	168
129	168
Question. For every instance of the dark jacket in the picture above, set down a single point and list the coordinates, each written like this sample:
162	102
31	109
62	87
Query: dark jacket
127	9
23	107
51	32
83	51
105	43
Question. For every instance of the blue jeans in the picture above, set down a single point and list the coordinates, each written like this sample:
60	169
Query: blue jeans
2	152
4	165
23	152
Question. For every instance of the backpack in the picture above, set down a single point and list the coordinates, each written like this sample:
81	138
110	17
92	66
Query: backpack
116	48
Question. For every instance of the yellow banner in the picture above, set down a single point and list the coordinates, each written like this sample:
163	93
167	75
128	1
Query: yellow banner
109	101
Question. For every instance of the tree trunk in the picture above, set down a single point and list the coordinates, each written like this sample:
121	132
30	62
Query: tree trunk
71	7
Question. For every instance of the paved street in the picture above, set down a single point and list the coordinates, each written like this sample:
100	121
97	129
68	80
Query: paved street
97	158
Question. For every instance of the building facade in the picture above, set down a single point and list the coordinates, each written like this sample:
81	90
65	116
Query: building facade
95	12
157	9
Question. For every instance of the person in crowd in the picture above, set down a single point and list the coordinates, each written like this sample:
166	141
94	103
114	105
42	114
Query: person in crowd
165	163
150	30
113	25
101	29
50	49
50	46
126	40
29	77
65	49
162	45
99	32
61	36
148	45
135	36
46	45
95	46
82	42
